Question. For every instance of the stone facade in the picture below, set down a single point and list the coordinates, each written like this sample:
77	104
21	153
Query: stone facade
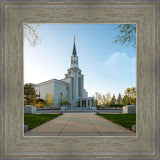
71	88
29	109
129	109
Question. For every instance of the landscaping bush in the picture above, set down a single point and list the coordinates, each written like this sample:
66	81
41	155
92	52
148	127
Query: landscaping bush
110	106
115	105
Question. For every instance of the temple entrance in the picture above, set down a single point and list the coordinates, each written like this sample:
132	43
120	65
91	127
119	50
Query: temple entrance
84	103
78	103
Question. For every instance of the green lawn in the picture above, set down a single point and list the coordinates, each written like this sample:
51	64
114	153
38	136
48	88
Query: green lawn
125	120
34	120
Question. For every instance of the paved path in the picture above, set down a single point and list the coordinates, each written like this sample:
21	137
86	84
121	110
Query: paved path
79	124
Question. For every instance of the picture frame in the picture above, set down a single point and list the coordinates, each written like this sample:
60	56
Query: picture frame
15	144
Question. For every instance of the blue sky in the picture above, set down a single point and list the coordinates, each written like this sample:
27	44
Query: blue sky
107	67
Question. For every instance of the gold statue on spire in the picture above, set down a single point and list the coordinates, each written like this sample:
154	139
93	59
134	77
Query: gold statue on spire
74	39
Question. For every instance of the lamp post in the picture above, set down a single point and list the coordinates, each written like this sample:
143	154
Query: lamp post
61	98
128	95
96	98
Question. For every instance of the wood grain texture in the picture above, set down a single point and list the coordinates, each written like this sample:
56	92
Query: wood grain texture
144	144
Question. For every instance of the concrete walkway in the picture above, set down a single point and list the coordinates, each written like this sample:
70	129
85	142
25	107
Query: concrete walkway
79	124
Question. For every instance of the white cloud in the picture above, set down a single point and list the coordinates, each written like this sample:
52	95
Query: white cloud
114	75
120	65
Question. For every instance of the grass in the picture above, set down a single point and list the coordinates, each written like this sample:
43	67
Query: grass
125	120
34	120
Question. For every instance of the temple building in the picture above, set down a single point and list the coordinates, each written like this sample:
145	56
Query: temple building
70	89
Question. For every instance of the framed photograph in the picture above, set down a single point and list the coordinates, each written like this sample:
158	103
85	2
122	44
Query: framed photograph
75	78
16	17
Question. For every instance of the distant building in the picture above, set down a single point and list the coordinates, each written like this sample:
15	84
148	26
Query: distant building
70	89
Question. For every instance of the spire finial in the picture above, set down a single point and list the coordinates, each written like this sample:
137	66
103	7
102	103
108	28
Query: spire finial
74	47
74	39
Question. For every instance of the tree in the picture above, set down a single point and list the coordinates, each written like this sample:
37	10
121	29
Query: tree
119	99
125	100
133	101
132	92
132	95
127	34
41	103
29	94
65	103
104	100
31	34
49	99
94	101
62	99
108	98
113	100
99	99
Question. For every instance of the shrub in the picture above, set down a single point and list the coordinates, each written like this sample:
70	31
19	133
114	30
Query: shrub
115	105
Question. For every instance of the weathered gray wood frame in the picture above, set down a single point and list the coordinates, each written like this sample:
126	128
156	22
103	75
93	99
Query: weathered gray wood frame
144	144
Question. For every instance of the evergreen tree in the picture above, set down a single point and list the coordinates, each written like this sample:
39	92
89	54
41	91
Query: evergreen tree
113	100
119	99
108	98
29	94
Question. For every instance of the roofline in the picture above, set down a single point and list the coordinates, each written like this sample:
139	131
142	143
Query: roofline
50	81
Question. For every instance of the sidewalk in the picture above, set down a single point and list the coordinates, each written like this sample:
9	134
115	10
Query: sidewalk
79	124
